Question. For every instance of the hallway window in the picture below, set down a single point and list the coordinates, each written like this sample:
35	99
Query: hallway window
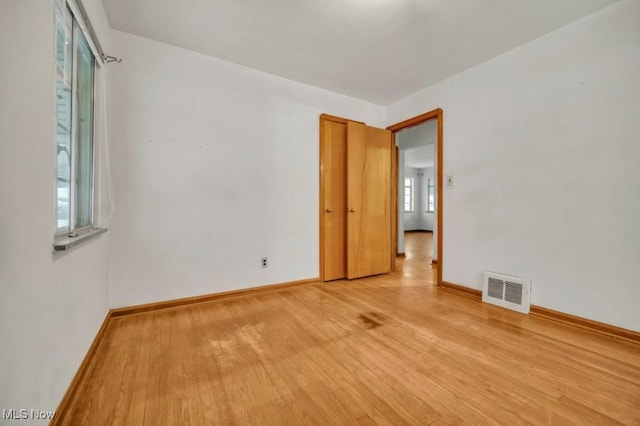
431	196
408	195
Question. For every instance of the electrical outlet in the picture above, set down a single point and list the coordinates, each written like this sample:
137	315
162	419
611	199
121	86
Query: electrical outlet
264	262
450	181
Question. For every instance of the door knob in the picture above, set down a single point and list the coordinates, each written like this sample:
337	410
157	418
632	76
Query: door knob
328	210
352	210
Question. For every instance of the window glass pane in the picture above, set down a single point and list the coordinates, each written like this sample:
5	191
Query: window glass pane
84	145
430	195
63	123
408	194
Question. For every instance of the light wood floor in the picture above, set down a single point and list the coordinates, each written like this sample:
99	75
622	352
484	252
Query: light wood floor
418	246
390	349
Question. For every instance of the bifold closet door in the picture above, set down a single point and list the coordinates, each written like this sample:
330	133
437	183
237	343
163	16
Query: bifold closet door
368	200
334	215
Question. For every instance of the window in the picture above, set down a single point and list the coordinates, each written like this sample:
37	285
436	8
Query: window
75	77
408	195
431	196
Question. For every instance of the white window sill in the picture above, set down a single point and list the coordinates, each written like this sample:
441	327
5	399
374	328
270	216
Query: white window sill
65	243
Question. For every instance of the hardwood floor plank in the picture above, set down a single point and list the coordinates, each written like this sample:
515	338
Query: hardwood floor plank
213	395
390	349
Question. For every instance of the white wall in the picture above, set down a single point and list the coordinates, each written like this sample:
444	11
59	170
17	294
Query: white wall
436	249
400	248
568	104
425	219
215	166
51	305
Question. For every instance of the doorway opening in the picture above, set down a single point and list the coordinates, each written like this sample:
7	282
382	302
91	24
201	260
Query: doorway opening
418	229
417	178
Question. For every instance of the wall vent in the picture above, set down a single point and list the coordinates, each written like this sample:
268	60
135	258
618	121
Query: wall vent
507	291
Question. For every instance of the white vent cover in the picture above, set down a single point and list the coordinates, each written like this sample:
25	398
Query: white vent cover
507	291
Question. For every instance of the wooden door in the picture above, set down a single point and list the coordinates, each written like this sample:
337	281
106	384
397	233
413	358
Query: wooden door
334	214
368	200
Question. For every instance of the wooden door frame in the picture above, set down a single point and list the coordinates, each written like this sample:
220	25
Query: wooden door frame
395	128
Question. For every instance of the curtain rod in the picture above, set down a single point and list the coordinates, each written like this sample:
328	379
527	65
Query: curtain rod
108	58
85	16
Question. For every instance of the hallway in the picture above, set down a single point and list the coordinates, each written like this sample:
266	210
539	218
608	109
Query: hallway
418	245
416	263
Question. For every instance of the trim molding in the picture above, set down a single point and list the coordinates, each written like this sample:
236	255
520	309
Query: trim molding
338	119
414	121
576	321
601	327
393	206
81	376
462	290
167	304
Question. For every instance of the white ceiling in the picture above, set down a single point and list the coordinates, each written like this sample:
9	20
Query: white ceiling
376	50
413	137
417	144
419	158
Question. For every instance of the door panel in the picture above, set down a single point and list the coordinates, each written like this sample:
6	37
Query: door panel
368	200
334	157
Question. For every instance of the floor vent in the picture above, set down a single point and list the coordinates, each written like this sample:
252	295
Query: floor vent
507	291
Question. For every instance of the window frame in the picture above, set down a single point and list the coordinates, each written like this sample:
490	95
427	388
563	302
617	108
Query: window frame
67	75
78	26
412	201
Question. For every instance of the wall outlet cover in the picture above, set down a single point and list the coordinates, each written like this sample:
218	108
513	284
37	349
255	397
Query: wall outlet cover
449	181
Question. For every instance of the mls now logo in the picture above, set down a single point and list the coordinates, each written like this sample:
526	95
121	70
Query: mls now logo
25	414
